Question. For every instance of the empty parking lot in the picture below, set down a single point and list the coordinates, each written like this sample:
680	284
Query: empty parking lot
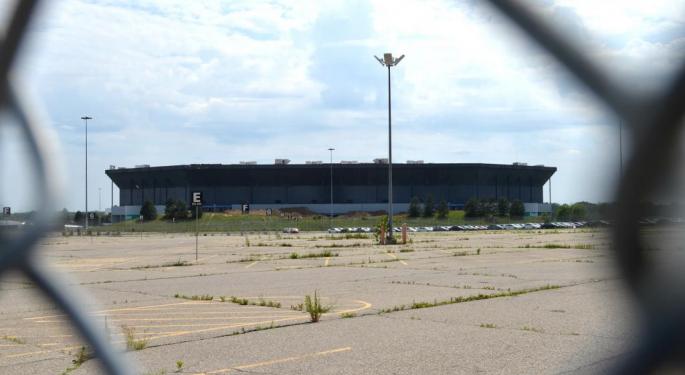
448	302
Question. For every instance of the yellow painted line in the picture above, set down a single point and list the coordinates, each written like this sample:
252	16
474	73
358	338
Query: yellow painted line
252	264
175	325
190	332
40	352
113	264
393	256
365	305
122	309
326	262
195	319
276	361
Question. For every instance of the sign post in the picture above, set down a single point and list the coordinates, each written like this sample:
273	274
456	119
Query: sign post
197	202
7	211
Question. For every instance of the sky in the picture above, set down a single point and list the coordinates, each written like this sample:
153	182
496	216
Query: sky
180	82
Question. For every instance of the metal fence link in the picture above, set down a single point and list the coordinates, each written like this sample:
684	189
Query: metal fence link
17	252
656	121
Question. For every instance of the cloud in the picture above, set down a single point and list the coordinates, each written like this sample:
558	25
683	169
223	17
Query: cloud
178	82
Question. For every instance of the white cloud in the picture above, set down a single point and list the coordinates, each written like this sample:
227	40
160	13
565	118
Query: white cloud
177	82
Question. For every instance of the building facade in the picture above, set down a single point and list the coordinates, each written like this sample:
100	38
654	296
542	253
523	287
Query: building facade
355	186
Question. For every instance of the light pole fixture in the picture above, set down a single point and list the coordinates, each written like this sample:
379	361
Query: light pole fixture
331	210
389	61
85	119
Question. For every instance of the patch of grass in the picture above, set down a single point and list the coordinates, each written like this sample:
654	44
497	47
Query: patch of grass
406	250
460	253
314	307
532	329
285	245
347	315
322	254
79	358
461	299
488	325
339	245
195	297
261	302
132	343
178	263
556	246
14	339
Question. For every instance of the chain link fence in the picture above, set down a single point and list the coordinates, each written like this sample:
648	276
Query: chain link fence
655	120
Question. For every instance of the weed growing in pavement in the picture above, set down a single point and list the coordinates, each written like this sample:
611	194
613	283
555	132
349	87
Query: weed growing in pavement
461	299
346	315
179	365
532	329
201	297
79	358
132	343
314	307
487	325
322	254
261	302
14	339
406	250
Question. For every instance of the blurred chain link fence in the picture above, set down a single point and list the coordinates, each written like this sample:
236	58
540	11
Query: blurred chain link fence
655	120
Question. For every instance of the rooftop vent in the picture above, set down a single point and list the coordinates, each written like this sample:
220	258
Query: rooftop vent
313	162
414	161
380	161
143	166
520	164
250	162
281	161
348	162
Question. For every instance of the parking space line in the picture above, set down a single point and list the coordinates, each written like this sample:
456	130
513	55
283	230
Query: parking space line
325	264
365	305
40	352
252	264
276	361
393	256
190	332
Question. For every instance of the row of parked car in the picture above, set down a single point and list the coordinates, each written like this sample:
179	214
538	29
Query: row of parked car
454	228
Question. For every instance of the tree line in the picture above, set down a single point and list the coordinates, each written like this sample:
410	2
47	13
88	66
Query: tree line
491	207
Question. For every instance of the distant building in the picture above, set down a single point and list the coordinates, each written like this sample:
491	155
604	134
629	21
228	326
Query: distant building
356	186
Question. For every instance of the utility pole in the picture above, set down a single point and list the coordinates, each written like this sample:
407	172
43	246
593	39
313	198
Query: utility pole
389	62
196	232
111	207
330	217
86	118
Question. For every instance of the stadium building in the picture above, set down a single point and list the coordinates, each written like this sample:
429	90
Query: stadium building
356	186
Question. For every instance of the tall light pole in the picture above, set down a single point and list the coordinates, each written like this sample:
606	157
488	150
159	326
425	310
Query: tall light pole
389	61
86	118
111	207
99	199
330	220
